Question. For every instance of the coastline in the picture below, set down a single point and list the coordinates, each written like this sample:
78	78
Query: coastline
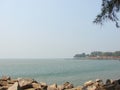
97	58
8	83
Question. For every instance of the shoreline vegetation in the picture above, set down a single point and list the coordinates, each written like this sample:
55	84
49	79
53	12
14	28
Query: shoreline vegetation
7	83
98	55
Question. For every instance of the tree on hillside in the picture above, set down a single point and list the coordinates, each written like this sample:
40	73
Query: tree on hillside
109	11
96	53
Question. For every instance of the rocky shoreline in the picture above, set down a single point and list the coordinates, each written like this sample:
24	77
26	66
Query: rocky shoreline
7	83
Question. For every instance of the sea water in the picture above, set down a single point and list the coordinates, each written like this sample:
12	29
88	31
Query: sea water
60	70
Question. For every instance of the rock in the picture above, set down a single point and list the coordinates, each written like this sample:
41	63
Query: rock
114	82
5	78
60	87
31	89
43	86
6	83
15	86
88	83
99	82
9	85
52	87
3	83
108	82
109	87
36	86
76	88
91	87
118	81
117	87
3	88
25	83
12	81
67	85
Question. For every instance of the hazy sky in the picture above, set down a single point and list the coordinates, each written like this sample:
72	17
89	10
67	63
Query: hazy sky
53	29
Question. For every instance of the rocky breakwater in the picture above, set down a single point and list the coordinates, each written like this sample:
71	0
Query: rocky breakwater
99	85
7	83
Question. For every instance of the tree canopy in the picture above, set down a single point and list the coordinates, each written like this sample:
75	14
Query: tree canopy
98	53
109	11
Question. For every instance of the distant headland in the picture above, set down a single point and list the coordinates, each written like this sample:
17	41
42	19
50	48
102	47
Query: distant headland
98	55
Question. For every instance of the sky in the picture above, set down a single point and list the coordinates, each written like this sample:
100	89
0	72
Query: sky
53	29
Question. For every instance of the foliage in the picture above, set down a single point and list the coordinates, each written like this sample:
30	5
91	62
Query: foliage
108	12
96	53
99	53
80	55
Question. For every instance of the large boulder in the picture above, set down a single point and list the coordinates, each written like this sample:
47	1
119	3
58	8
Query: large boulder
5	78
76	88
67	85
43	86
52	87
88	83
15	86
3	88
25	83
91	85
108	82
117	87
118	81
32	89
3	83
12	81
109	87
36	86
60	87
99	82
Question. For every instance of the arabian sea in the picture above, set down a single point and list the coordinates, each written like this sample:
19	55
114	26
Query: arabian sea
60	70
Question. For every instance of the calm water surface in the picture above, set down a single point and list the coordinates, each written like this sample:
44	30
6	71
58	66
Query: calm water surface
60	70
